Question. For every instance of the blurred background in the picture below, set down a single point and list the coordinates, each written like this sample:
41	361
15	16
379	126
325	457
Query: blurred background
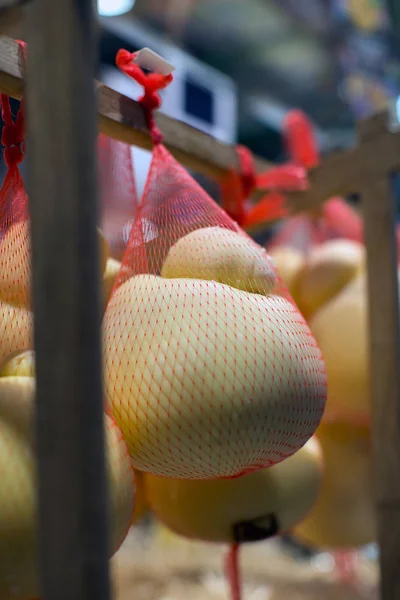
241	65
336	59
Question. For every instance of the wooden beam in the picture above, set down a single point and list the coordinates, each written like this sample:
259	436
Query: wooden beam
384	334
122	118
73	511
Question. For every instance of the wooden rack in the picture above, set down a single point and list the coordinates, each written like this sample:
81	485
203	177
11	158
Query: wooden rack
122	118
61	118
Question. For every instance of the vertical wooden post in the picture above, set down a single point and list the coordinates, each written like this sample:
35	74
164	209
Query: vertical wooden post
62	188
380	237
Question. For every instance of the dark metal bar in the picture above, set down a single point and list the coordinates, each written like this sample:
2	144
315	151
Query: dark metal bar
62	187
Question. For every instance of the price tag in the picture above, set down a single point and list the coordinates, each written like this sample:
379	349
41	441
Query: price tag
147	59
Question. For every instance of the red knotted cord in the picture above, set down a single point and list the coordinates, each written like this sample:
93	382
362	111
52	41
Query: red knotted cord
238	184
12	137
13	198
247	169
151	83
232	572
13	133
286	177
301	140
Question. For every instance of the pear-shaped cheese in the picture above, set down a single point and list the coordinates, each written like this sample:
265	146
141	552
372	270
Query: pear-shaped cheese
328	269
206	380
243	509
344	514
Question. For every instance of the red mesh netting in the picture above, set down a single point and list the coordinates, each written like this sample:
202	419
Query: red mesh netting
118	202
118	193
15	316
210	370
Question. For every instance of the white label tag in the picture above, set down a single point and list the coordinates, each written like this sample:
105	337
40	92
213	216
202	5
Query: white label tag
147	59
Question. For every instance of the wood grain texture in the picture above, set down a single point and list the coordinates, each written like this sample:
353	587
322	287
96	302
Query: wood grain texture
122	118
61	120
379	224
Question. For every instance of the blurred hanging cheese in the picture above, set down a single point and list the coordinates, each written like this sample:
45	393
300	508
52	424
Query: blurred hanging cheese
330	290
22	364
16	324
206	380
18	544
19	364
344	515
288	262
109	278
218	254
341	330
141	504
16	320
244	509
327	270
15	264
16	329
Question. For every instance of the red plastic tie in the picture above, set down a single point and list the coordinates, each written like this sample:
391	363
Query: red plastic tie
13	133
271	207
247	170
286	178
232	572
151	83
237	185
12	136
301	140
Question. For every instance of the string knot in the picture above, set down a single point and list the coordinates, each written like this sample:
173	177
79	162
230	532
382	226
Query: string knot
151	83
13	155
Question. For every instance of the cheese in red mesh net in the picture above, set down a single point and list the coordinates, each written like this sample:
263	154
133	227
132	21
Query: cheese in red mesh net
16	320
15	315
210	370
